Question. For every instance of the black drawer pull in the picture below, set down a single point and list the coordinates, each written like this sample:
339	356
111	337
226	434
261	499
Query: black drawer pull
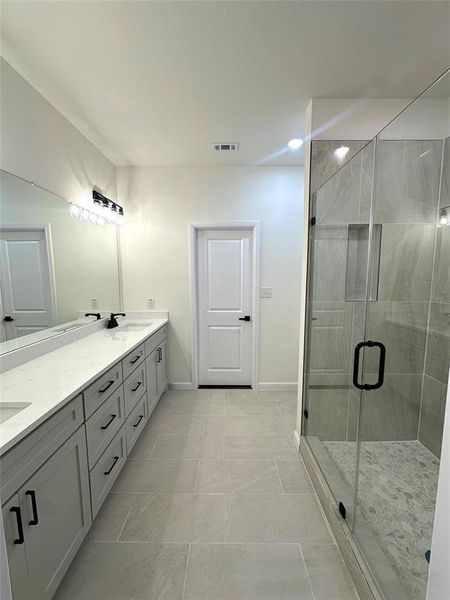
116	458
138	385
135	359
109	422
20	539
35	519
107	386
139	420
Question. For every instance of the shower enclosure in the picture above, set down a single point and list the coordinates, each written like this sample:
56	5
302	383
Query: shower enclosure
378	344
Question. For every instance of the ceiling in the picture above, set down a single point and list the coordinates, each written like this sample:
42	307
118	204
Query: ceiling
156	83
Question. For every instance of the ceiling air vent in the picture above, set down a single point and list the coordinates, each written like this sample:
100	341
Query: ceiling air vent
226	146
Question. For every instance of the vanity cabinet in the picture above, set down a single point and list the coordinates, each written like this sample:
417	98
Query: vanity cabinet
47	519
54	481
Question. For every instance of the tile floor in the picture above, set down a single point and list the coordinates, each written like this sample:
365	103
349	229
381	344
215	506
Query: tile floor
213	504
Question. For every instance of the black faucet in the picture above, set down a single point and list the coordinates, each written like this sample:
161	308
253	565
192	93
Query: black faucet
113	321
98	315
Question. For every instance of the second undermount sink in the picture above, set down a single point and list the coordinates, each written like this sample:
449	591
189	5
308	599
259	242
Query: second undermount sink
133	326
11	409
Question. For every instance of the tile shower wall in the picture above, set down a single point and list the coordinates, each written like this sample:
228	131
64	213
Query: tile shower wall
406	202
435	378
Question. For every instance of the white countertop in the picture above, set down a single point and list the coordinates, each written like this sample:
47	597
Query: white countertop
51	380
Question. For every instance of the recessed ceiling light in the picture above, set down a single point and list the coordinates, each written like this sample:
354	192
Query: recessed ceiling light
295	144
342	152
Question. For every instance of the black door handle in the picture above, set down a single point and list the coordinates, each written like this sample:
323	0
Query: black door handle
116	458
246	318
109	422
381	365
8	319
20	539
35	519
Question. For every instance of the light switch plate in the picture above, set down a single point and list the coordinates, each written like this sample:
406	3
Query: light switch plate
150	303
266	292
94	303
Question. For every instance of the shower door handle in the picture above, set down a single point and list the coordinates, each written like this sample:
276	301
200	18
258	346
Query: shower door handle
381	364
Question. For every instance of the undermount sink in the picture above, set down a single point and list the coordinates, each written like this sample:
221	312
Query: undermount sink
133	326
10	409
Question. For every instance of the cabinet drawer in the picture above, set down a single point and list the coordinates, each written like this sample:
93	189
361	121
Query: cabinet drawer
155	340
101	389
103	425
136	422
134	387
107	469
19	463
133	360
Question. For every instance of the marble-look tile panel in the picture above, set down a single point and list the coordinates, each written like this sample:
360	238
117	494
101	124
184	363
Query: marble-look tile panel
432	414
441	275
402	327
438	348
406	261
407	181
325	163
328	412
391	412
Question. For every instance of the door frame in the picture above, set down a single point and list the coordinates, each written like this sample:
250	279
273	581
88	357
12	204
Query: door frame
193	229
46	228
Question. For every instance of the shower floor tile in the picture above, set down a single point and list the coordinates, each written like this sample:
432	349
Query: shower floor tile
396	498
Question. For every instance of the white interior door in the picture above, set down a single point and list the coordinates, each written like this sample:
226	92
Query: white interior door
224	275
26	282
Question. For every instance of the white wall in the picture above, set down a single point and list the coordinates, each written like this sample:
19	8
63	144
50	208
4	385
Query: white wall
40	145
161	201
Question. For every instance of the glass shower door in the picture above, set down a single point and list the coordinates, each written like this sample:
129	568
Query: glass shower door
401	422
338	286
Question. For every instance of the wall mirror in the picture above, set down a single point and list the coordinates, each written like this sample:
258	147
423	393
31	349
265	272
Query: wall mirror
54	267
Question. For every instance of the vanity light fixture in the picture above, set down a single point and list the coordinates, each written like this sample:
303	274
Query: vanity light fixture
109	210
444	217
341	152
86	215
295	143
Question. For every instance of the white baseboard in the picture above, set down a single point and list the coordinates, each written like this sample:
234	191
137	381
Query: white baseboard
181	386
297	439
279	385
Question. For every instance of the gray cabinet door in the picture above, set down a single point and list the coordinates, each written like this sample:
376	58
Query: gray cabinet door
152	386
57	515
14	521
162	368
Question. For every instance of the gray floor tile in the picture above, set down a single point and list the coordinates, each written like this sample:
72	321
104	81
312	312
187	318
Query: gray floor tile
246	572
249	425
238	476
294	477
182	424
109	571
243	446
194	403
157	476
110	519
250	406
145	443
193	445
176	518
274	519
328	573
